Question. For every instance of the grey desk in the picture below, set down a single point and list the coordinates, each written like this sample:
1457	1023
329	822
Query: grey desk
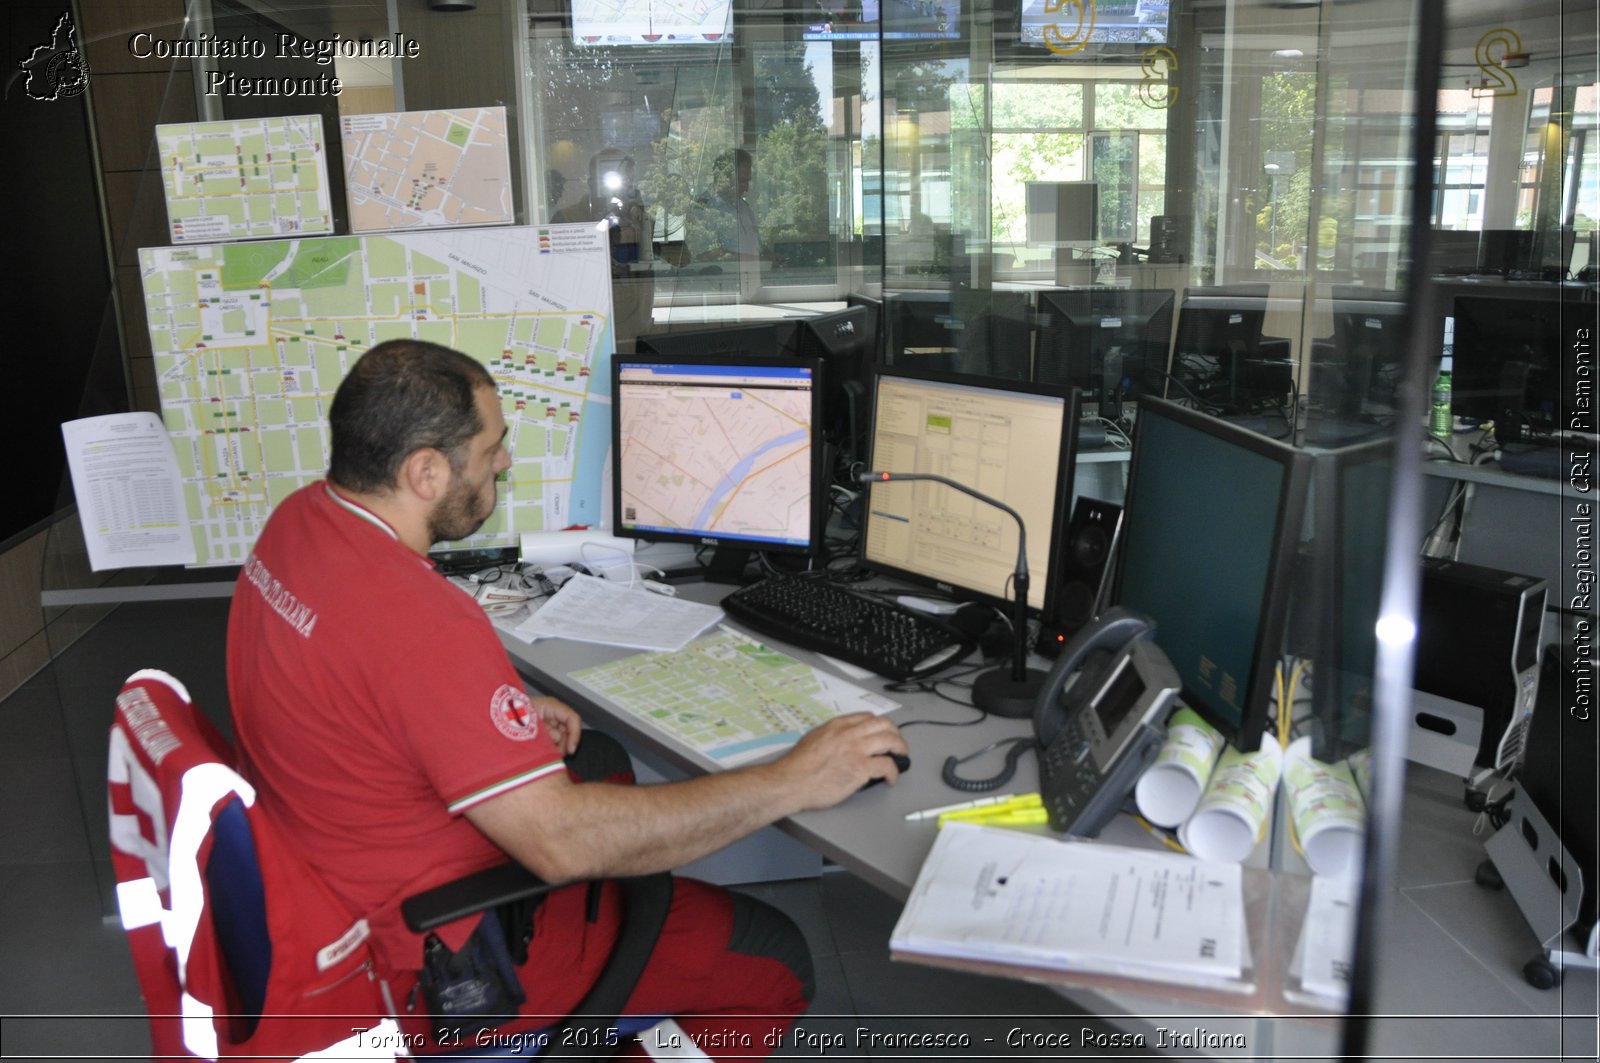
868	834
1450	963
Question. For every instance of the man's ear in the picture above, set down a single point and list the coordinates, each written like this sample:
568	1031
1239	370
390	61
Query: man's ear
425	473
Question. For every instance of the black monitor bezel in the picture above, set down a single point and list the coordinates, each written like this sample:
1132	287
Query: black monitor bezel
1158	344
1332	369
1499	305
819	487
1269	641
716	341
849	373
1060	505
1251	300
1331	739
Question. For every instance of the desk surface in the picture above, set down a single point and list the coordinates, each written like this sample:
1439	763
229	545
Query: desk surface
1460	959
867	833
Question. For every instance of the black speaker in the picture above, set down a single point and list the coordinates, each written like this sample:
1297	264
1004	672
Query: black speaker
1080	572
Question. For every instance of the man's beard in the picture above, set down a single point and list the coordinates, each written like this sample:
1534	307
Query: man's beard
456	516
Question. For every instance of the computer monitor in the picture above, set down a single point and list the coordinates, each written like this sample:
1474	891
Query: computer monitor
1210	529
1221	359
1356	373
1350	507
1507	362
845	342
1110	342
765	339
874	308
1010	441
920	328
718	451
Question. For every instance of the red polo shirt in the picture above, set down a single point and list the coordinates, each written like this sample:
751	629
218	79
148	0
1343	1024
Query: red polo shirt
373	704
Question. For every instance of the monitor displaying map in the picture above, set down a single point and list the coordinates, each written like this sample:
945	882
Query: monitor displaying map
251	340
245	179
717	450
634	22
427	169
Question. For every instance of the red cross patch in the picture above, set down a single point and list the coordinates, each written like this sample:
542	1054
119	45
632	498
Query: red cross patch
513	714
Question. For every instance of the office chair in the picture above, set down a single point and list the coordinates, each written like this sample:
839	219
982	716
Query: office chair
240	948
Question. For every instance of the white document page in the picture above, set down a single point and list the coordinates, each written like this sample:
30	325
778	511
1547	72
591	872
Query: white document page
1327	940
129	491
991	894
590	609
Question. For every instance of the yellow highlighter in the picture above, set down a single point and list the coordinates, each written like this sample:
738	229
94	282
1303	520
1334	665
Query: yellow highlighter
1026	809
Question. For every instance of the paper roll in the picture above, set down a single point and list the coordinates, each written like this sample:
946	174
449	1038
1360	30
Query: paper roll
1236	806
599	552
1326	810
1170	788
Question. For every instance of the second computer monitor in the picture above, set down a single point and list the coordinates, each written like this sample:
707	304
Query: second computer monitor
1110	342
1009	442
1210	532
1221	358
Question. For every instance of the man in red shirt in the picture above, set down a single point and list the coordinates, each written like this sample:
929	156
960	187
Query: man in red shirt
386	729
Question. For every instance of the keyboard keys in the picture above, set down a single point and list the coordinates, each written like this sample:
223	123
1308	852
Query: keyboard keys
817	615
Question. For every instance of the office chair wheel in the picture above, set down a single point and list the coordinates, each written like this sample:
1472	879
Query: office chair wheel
1541	973
1488	876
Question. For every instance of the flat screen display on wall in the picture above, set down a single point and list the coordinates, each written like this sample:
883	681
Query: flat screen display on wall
889	20
1069	26
609	23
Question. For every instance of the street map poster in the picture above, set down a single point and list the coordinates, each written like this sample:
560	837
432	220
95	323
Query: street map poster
245	179
426	169
251	340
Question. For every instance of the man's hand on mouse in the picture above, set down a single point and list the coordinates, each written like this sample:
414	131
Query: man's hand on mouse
838	758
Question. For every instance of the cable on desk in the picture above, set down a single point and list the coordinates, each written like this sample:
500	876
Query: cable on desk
1114	433
949	723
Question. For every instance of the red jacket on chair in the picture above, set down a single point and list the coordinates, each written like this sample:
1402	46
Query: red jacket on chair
240	949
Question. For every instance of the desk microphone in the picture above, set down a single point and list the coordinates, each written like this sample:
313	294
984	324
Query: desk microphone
1004	691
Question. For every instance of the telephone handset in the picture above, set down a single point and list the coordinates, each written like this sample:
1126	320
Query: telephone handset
1100	718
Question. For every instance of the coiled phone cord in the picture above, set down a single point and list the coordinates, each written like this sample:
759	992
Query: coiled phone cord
953	779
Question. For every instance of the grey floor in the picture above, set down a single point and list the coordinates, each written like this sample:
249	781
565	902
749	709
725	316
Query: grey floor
67	985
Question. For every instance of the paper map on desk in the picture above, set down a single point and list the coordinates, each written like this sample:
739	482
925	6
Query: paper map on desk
728	696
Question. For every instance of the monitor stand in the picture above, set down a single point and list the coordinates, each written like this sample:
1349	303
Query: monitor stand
727	565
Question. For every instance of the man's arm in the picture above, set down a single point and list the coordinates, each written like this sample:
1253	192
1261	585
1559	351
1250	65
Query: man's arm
562	830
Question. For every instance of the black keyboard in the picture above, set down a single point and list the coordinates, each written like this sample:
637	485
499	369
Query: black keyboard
817	615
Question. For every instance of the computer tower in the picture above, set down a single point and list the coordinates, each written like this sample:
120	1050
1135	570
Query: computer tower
1083	565
1478	644
1560	774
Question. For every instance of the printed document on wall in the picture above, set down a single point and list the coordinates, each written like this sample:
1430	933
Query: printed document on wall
130	500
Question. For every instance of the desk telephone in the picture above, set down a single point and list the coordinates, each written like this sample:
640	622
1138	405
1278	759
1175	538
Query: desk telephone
1100	719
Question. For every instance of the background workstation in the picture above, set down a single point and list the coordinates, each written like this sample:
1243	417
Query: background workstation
1258	170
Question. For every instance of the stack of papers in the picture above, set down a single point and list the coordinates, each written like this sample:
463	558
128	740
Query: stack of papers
590	609
1001	896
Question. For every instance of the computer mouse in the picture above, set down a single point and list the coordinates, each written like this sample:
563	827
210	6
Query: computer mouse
901	761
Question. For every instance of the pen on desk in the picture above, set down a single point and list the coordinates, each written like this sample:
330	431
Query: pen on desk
934	813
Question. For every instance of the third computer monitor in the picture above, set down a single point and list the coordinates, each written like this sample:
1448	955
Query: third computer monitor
1110	342
1210	532
1009	441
